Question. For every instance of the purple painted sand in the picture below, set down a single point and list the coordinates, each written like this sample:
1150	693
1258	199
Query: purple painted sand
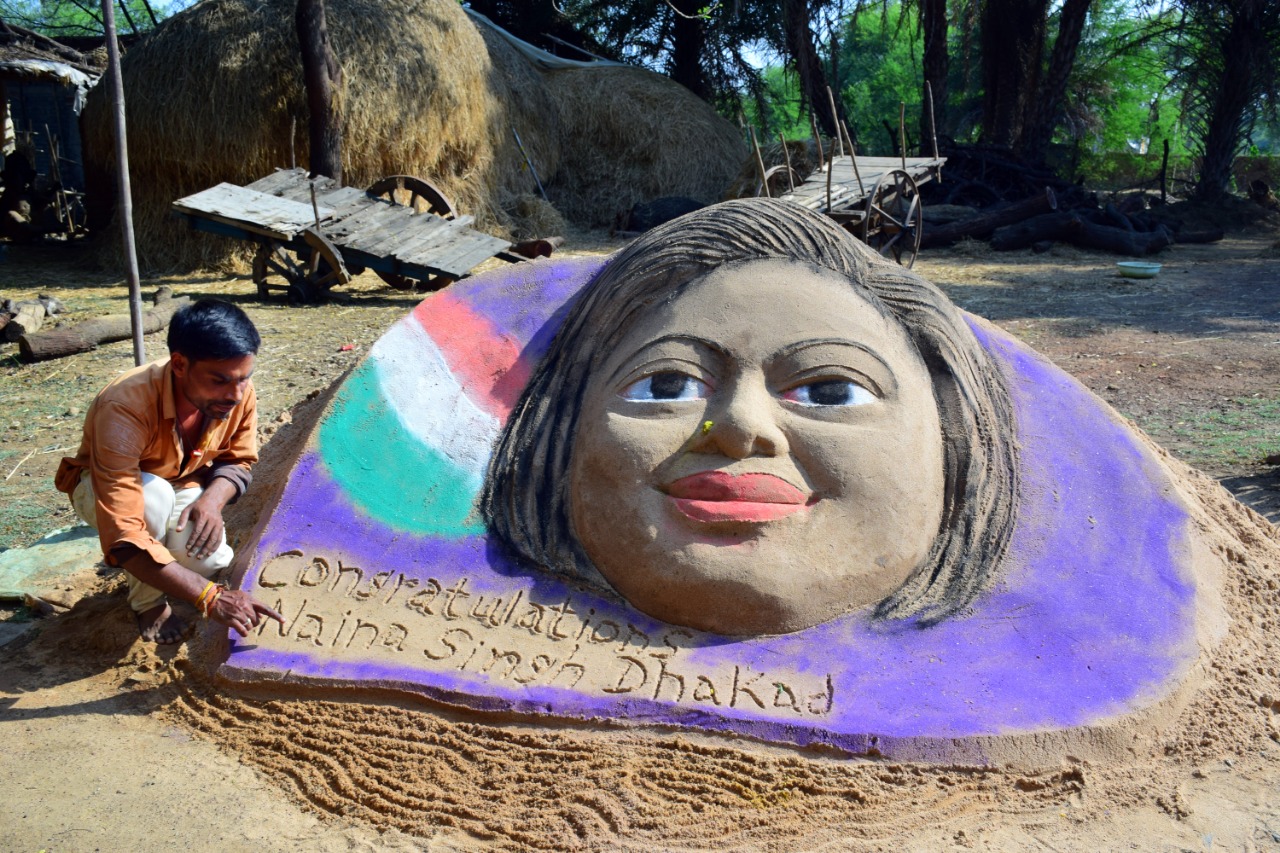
1093	615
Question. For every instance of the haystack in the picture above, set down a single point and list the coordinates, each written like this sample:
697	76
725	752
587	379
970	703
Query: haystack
216	94
632	135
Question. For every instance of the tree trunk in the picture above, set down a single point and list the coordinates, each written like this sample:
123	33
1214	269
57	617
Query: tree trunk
933	24
813	81
1243	50
85	336
689	40
1012	44
1042	114
322	76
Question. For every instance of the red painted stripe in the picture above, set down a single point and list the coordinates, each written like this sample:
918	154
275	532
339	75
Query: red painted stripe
485	360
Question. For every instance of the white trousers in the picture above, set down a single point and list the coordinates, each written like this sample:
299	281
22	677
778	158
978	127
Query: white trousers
162	506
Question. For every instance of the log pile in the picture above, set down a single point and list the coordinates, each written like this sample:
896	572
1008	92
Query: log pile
17	318
1027	206
35	345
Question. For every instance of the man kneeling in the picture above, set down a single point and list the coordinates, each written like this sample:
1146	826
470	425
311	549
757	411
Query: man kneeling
166	447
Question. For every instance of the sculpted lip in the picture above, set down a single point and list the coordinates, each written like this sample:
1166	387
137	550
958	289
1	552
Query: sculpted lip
711	496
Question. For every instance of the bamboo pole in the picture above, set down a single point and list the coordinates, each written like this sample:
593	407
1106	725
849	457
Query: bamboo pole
836	118
755	146
902	132
853	158
933	127
782	140
817	139
126	193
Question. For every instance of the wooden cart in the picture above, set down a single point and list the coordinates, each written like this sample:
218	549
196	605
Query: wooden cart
314	235
875	198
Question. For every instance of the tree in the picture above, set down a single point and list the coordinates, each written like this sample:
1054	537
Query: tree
322	76
81	18
936	64
1230	59
797	36
1022	95
698	43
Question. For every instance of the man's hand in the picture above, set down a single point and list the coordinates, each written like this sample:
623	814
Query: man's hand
205	516
236	609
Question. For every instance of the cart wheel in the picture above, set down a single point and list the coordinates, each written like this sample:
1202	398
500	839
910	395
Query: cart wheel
892	223
423	197
781	180
408	191
304	279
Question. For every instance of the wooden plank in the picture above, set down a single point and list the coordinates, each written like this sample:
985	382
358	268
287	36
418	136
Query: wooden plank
380	241
428	233
467	251
374	220
345	202
341	230
277	180
426	249
254	211
391	240
433	254
482	251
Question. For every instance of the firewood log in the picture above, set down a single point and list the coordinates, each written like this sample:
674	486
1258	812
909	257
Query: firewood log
28	316
85	336
982	225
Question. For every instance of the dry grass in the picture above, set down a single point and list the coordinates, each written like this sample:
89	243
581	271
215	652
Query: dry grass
216	95
801	154
632	135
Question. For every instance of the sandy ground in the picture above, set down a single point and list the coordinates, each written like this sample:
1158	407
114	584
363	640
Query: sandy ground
109	744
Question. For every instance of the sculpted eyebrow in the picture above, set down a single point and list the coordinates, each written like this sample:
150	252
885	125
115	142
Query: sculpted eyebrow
795	348
683	339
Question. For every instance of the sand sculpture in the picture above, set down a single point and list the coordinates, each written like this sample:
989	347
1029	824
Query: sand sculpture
741	477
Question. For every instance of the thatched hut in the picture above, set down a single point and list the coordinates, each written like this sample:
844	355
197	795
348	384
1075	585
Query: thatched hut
632	135
42	91
216	94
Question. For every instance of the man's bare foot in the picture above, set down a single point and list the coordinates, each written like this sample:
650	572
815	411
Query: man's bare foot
161	625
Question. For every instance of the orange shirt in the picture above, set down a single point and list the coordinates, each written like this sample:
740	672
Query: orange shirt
130	429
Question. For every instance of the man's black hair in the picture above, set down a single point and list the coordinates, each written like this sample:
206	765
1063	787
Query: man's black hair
212	330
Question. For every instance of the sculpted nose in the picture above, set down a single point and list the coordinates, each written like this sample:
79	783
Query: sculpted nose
746	424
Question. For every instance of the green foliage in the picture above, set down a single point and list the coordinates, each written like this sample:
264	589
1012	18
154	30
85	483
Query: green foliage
71	18
879	69
1121	93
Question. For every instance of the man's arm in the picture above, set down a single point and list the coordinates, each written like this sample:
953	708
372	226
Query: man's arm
235	608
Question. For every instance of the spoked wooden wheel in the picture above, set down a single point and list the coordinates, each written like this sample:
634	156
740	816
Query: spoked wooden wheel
780	180
304	278
423	197
892	224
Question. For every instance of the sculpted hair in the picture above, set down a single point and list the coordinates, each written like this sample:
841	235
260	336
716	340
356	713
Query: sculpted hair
526	494
211	329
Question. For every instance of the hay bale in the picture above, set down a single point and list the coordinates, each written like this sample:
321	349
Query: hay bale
804	158
532	218
523	104
631	135
216	93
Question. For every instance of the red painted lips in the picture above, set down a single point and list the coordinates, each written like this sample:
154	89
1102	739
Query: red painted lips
711	496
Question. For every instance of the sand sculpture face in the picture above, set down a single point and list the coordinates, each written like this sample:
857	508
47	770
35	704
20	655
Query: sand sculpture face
816	489
951	513
750	424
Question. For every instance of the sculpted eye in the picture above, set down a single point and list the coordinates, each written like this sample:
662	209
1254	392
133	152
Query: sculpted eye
830	392
669	385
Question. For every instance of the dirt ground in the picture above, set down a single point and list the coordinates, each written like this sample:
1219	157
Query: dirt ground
98	752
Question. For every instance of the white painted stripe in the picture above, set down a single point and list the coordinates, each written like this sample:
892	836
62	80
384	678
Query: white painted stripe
429	401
